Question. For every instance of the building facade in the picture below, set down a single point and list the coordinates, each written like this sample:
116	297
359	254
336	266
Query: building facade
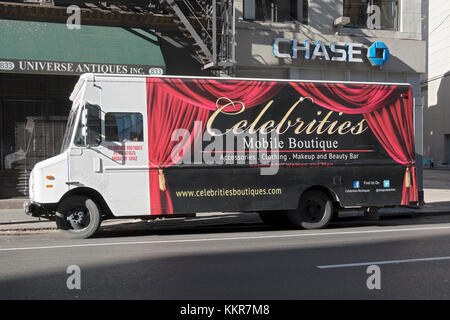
399	28
334	40
436	83
45	48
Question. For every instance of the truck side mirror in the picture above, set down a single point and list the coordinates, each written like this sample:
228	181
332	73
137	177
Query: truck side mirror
84	131
84	121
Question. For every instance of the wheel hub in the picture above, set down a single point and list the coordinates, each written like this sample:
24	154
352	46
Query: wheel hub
78	218
313	211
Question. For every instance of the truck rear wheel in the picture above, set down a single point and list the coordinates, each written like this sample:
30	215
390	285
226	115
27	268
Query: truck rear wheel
78	217
315	211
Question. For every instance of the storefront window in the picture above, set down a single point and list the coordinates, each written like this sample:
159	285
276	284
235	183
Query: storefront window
372	14
276	10
31	130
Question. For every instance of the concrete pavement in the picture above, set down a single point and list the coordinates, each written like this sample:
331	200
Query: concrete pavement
436	189
251	262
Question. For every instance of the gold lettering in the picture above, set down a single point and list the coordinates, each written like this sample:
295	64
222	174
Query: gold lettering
264	129
220	109
344	126
240	125
283	120
323	122
300	123
330	128
310	127
252	129
318	126
360	126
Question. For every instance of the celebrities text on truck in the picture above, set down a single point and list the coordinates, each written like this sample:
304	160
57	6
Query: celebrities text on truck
169	146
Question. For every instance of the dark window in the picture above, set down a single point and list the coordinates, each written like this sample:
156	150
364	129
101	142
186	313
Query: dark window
276	10
372	14
122	127
299	10
255	9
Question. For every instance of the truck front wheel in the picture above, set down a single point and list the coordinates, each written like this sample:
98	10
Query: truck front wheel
315	210
78	217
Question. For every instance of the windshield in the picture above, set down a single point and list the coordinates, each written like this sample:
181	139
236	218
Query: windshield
69	129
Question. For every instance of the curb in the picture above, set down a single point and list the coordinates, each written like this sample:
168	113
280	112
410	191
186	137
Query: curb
50	226
12	203
27	230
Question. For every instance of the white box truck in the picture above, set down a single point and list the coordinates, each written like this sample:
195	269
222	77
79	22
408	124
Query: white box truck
150	147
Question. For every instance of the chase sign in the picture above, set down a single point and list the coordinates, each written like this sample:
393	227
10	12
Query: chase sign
377	53
374	57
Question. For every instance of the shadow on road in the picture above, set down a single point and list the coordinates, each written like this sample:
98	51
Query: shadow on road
235	271
251	223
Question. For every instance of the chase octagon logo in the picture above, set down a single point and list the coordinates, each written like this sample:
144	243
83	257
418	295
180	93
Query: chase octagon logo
378	54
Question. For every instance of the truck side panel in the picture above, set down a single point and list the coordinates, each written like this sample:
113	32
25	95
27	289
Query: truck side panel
174	146
354	139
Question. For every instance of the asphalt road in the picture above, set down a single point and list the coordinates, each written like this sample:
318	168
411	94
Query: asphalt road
227	260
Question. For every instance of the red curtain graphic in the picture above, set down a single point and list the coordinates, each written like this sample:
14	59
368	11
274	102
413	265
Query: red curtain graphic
388	114
177	104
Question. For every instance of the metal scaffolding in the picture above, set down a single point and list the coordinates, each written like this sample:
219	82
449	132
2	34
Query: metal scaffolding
209	25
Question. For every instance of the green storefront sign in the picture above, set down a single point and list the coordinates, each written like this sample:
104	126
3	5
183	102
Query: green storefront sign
75	68
52	48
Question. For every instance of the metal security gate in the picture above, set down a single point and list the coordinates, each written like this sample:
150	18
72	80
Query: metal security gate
30	132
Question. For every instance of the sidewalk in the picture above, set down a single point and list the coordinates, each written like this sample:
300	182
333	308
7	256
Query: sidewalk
437	202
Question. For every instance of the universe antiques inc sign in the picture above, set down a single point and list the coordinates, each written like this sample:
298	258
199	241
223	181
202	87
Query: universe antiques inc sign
75	68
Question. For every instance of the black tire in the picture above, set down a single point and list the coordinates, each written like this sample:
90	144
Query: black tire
315	211
274	218
78	217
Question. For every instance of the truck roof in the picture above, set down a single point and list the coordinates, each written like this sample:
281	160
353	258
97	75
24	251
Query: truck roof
99	76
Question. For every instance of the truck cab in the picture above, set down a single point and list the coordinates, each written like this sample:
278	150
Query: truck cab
103	155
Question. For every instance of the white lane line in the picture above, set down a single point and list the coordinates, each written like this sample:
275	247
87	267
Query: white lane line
224	239
349	265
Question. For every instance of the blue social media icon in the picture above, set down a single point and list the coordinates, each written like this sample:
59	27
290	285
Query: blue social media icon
386	183
356	184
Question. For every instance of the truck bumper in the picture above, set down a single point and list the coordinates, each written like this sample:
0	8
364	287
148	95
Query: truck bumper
33	209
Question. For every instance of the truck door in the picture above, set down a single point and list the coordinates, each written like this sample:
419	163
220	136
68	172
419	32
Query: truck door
125	165
110	159
85	154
